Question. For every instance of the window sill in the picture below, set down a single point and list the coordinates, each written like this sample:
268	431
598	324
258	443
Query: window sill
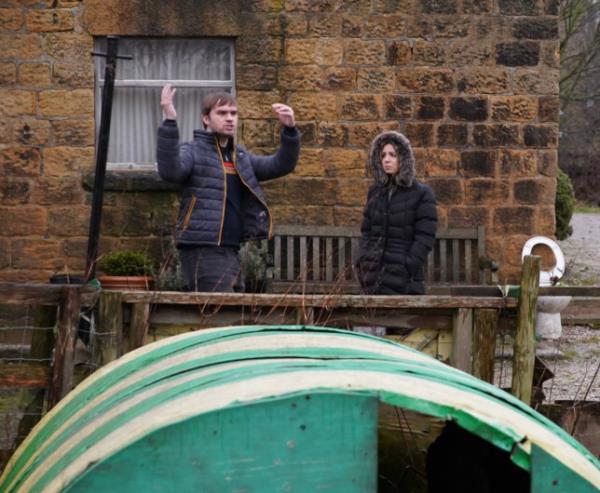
128	180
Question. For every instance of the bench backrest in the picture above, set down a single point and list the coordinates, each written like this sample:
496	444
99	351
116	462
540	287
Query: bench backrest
320	258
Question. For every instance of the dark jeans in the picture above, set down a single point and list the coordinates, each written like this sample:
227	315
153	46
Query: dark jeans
211	269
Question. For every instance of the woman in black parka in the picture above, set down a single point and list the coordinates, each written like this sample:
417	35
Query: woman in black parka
399	221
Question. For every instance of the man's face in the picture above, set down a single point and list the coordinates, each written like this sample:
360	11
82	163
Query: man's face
222	120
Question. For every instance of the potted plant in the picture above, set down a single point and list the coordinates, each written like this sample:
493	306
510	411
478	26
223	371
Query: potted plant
124	269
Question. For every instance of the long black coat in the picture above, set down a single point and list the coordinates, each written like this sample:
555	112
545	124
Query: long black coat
398	228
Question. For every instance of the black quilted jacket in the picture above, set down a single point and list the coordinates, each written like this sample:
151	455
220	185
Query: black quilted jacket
197	166
399	225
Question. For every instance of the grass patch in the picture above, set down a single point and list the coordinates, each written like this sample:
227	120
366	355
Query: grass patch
587	209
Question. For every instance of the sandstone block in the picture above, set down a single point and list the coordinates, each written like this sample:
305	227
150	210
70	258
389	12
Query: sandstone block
376	79
357	7
397	107
20	161
431	108
548	162
325	25
514	108
14	191
16	103
257	104
61	160
127	221
69	47
266	23
37	254
306	214
73	132
79	102
352	26
300	51
477	6
348	216
329	52
265	49
311	6
361	52
386	26
518	163
263	5
300	77
437	162
548	108
338	78
496	135
439	6
75	75
486	192
352	192
31	132
308	131
519	7
58	190
256	77
394	6
513	220
4	253
542	82
546	221
467	217
311	163
360	107
433	27
535	191
536	28
11	19
332	134
425	80
8	73
34	74
49	20
517	54
294	24
452	135
398	53
361	135
484	80
448	191
550	55
302	191
340	162
478	163
66	221
420	134
23	221
311	106
21	46
540	136
469	109
257	133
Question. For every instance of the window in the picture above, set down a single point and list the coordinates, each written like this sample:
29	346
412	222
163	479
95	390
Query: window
194	66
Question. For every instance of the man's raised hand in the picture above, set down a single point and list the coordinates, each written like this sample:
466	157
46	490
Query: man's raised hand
285	114
166	101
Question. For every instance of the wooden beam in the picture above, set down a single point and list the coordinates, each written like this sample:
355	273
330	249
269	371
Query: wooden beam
140	321
462	333
64	349
107	342
316	300
42	294
524	347
485	328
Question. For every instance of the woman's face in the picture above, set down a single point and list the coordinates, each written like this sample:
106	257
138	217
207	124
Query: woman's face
389	159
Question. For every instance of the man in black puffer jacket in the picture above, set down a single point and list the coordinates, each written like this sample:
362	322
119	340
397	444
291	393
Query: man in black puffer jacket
399	221
223	203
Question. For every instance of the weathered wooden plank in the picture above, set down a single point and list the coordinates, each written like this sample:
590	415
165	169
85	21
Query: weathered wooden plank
277	257
290	259
462	333
27	375
108	338
457	233
360	301
316	259
443	261
455	260
301	230
341	275
485	327
66	336
329	259
303	263
42	294
140	321
524	346
430	275
468	262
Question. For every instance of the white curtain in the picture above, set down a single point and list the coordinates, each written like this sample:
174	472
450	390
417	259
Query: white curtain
205	64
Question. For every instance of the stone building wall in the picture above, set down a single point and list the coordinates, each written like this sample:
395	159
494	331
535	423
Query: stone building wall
472	83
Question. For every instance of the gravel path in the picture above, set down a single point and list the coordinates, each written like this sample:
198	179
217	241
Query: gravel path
582	251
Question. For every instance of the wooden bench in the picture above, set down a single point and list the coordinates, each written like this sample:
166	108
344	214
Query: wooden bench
319	259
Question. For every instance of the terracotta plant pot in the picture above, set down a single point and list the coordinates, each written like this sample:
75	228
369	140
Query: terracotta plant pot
127	283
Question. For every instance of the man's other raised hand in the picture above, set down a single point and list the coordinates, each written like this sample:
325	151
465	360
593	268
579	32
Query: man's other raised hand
166	101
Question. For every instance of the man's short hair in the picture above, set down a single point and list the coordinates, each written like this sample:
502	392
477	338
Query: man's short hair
214	99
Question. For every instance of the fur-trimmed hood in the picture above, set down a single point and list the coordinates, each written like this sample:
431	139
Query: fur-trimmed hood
406	160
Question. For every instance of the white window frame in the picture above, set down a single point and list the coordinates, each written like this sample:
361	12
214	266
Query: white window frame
183	83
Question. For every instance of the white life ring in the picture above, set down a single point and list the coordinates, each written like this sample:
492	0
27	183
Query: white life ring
547	277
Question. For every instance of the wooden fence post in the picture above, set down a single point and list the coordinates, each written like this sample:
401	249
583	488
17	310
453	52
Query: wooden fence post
484	343
64	347
108	337
140	320
462	336
524	349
